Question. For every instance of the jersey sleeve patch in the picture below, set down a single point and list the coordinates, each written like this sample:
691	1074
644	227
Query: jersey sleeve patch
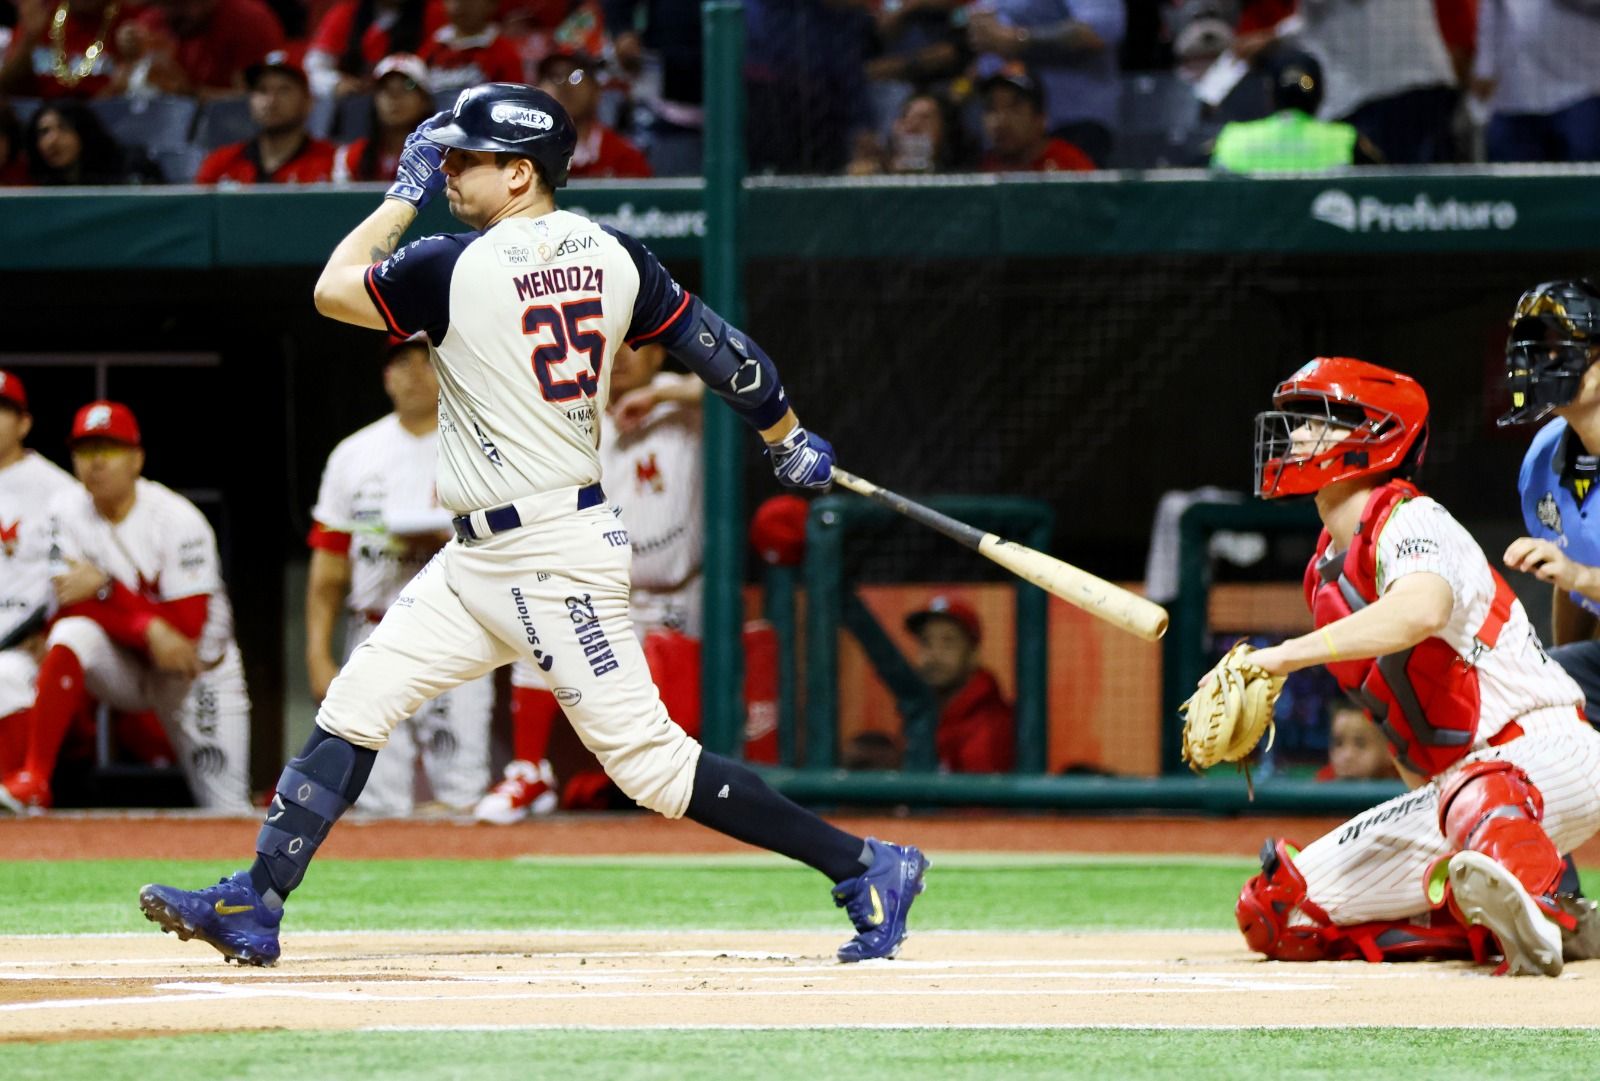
1422	537
411	288
661	301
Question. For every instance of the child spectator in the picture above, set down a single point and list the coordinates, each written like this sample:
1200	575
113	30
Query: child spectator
1356	749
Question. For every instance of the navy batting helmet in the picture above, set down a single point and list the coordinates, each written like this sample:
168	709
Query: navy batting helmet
510	118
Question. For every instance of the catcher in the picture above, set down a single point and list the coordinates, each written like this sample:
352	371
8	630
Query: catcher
1486	730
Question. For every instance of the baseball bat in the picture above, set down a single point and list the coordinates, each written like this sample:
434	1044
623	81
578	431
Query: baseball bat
1098	597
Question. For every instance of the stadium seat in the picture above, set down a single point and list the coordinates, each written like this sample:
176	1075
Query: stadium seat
24	108
1159	125
352	117
223	121
323	111
153	123
178	164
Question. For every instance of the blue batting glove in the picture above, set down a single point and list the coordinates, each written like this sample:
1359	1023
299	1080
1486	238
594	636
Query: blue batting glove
803	460
419	177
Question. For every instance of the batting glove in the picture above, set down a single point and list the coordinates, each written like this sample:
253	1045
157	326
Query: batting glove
419	177
803	460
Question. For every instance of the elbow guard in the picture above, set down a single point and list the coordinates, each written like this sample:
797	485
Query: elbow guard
733	366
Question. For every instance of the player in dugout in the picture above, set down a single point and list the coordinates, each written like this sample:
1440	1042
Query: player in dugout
1413	620
976	731
141	620
540	567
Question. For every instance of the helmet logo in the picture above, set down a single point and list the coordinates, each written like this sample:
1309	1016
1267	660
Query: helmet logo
523	116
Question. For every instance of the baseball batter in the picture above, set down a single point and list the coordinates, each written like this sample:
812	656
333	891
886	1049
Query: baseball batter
650	455
1414	622
376	524
28	483
142	621
525	314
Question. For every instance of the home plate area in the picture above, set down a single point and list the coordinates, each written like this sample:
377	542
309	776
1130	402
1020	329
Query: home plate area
67	987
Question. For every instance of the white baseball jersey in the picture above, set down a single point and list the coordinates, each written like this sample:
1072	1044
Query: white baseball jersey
27	488
378	487
654	475
163	550
1516	676
524	320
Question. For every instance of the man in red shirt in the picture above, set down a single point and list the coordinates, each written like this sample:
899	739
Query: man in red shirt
573	80
976	733
1014	129
282	151
201	47
470	49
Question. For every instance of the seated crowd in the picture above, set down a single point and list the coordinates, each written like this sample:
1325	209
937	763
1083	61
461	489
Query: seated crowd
317	90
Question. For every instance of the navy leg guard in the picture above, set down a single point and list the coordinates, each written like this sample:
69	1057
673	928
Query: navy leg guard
314	790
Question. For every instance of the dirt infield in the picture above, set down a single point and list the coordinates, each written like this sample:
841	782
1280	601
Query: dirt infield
124	986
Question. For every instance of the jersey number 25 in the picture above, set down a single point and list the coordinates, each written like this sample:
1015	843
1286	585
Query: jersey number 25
565	334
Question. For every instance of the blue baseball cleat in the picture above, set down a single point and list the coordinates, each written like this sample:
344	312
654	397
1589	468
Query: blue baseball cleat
230	915
879	900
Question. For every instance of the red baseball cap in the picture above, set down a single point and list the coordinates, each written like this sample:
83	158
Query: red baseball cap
778	530
281	60
954	609
105	420
11	391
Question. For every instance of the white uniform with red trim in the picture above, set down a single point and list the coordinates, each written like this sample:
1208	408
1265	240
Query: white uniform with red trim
164	550
523	320
27	487
1373	867
654	476
376	507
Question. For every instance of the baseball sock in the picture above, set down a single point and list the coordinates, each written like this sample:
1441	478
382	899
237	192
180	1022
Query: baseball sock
533	713
59	697
729	798
13	741
314	790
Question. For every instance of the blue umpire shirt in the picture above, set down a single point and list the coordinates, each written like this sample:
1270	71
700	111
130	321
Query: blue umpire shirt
1555	484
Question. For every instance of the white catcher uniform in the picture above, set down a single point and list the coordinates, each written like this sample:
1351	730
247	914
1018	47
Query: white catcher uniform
27	488
164	550
654	476
377	489
1372	867
524	319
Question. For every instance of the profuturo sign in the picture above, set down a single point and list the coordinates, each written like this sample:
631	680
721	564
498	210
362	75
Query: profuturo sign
1370	214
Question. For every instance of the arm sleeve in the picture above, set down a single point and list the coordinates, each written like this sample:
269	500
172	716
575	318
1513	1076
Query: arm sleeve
411	288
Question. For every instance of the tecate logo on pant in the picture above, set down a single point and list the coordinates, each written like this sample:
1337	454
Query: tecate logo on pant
1369	214
586	625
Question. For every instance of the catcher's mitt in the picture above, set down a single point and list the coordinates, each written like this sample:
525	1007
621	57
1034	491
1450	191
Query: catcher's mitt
1225	718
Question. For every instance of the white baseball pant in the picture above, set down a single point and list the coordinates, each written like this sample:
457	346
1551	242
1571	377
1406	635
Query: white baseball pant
19	673
648	610
449	736
206	718
553	592
1373	867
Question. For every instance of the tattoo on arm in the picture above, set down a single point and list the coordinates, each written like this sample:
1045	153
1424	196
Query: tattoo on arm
382	251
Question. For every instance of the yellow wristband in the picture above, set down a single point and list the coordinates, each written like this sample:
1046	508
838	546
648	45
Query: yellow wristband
1327	640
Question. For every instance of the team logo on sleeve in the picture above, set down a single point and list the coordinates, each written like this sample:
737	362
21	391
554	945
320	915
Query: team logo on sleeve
8	537
1548	513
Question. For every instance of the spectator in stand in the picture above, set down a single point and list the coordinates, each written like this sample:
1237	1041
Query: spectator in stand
1356	748
13	158
75	60
671	112
68	145
1071	46
1291	140
355	34
402	100
925	138
918	41
574	81
1389	70
470	49
198	47
976	733
1014	119
805	83
282	152
1536	72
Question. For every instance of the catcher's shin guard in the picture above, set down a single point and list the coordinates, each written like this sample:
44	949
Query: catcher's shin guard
1493	808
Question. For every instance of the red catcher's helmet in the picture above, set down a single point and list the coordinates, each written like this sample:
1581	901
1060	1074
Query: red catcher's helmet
1385	413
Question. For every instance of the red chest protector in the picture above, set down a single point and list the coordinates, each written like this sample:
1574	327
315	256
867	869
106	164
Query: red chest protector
1424	698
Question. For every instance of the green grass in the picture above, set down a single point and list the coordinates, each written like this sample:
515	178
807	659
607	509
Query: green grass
788	1055
100	895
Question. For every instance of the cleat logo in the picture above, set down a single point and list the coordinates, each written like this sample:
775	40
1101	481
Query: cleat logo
877	906
224	909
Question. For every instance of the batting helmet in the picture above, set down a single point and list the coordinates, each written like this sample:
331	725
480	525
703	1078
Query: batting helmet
1554	333
510	118
1383	413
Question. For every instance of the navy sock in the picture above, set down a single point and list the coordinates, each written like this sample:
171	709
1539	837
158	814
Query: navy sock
729	798
316	787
